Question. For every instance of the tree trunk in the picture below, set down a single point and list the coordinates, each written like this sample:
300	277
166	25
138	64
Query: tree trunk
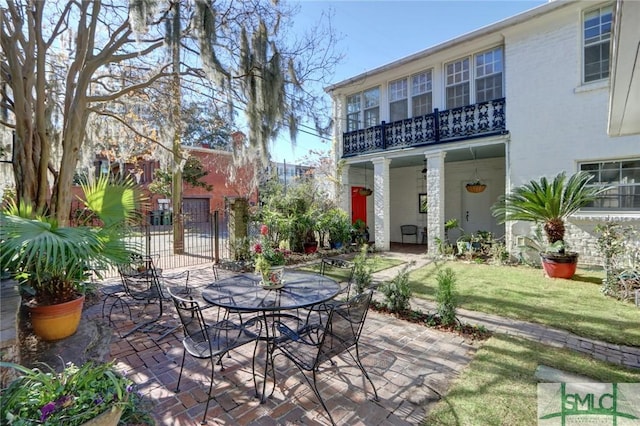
178	222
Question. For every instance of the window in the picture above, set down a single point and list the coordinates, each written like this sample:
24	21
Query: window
489	75
421	99
353	112
623	177
363	109
398	102
597	38
457	74
371	107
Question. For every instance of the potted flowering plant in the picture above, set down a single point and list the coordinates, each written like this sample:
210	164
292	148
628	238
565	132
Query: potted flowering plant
270	259
88	395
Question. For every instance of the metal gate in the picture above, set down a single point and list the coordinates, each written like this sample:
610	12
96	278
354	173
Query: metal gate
205	236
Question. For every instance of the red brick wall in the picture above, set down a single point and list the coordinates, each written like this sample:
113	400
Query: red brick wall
227	180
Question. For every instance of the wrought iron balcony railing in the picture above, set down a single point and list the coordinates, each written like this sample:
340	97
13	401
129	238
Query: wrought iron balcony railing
470	121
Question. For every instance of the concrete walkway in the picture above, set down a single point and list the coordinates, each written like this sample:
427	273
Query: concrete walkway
618	354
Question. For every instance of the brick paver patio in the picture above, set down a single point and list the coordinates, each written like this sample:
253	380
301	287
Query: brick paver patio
409	364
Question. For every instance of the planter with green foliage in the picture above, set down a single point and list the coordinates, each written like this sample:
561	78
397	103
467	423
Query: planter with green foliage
52	262
87	395
550	203
339	227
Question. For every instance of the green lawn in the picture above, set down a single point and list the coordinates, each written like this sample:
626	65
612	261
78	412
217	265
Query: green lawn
524	293
499	388
377	263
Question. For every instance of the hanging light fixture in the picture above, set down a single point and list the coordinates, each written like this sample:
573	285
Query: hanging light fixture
475	184
366	191
424	169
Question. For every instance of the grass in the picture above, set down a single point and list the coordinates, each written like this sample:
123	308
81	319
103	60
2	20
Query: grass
378	263
523	293
499	388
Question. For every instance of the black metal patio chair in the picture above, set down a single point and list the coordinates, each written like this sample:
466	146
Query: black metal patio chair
334	267
212	340
143	285
315	344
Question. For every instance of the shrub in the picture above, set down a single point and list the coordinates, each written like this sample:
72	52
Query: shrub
362	270
446	297
613	243
397	291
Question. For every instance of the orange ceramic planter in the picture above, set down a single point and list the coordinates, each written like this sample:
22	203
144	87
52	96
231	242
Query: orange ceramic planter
55	322
558	266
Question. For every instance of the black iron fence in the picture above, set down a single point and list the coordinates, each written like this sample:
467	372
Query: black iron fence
204	236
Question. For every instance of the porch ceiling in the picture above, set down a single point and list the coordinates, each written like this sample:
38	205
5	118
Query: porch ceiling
453	155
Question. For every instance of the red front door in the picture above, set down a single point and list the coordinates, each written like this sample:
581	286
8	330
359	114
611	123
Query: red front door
358	205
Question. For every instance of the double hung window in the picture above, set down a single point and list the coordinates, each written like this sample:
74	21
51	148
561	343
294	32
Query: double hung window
489	75
363	109
597	40
371	107
353	112
398	102
421	98
457	74
486	76
624	179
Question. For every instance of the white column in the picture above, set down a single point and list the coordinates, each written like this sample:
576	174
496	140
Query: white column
435	195
381	207
343	186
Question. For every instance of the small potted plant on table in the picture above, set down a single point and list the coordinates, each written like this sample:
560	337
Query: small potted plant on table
270	260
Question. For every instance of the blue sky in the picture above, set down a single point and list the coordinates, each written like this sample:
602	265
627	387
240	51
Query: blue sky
374	33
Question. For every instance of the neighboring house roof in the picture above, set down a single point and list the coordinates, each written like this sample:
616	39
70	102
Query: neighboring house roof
489	29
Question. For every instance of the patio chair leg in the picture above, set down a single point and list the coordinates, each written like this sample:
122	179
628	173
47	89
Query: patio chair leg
206	408
181	367
364	372
314	386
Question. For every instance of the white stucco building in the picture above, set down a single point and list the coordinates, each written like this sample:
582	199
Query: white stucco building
519	99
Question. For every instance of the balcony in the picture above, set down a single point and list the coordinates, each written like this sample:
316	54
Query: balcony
467	122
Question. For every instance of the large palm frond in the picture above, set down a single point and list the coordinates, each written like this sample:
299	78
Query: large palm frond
548	202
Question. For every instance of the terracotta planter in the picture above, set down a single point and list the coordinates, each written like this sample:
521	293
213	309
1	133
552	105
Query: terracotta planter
56	322
111	417
559	265
310	248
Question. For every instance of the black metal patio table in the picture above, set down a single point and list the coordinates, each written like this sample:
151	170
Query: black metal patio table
244	293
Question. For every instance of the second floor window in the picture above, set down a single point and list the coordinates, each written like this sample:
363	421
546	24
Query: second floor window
421	98
489	75
457	83
353	112
624	179
371	107
597	39
398	107
363	109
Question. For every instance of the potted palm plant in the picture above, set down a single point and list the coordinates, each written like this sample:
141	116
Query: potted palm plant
550	203
52	262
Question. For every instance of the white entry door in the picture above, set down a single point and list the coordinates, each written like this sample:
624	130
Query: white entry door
476	213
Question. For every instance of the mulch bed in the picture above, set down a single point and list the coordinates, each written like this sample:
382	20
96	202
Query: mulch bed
468	331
